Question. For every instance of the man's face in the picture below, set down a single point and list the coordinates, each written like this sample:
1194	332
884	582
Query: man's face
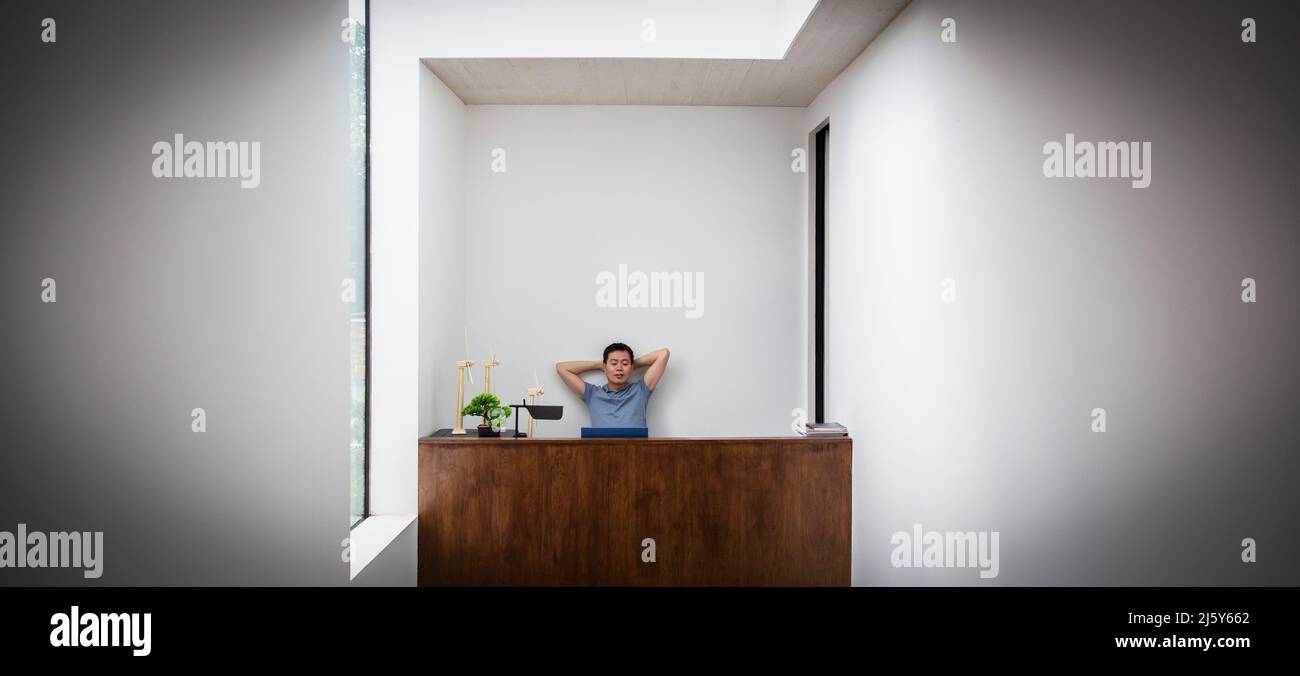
618	367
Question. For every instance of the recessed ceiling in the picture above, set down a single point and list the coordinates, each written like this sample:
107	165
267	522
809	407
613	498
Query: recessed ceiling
832	36
584	29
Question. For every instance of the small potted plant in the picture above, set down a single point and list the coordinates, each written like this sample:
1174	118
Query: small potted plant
490	409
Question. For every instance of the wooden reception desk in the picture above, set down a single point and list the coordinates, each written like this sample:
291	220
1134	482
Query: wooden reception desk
744	511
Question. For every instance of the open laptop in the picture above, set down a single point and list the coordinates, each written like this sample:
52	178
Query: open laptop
614	432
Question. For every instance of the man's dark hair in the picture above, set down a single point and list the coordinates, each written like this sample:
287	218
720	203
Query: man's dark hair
619	347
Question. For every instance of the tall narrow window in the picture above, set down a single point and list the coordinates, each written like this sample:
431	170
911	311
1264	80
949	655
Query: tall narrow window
823	136
359	204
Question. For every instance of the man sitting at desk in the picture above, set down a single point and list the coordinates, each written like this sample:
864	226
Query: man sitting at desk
619	403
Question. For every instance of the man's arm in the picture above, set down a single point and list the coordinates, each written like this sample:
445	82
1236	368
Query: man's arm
569	371
656	362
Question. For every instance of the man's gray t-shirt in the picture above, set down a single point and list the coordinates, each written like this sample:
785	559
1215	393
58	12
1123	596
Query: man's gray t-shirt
624	408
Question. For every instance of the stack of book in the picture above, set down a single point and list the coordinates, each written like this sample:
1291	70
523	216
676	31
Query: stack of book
831	429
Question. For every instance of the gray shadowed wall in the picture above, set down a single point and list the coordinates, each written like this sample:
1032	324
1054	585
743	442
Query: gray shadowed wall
177	293
1070	294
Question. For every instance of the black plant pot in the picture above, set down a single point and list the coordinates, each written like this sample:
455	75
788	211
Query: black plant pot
487	431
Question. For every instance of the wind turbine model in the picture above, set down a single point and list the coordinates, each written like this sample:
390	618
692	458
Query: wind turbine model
463	365
533	394
487	371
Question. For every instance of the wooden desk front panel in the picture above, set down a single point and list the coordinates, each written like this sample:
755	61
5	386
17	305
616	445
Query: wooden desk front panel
756	511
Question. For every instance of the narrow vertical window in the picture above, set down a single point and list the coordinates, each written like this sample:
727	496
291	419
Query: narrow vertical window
359	204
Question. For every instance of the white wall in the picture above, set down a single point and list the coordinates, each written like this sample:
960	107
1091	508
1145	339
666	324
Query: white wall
1071	294
396	44
442	247
668	189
